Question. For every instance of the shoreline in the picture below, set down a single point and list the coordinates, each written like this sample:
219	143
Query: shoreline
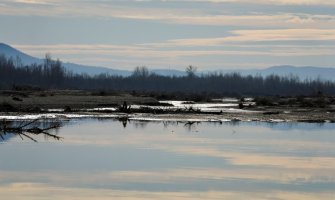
306	116
69	104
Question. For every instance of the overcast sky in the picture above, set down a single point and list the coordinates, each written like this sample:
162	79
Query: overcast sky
210	34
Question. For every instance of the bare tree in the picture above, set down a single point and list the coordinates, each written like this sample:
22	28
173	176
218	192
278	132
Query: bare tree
190	71
141	72
18	62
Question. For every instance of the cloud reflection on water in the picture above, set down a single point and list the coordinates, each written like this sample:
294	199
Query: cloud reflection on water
32	191
247	160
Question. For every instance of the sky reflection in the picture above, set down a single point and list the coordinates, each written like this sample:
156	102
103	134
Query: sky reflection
102	159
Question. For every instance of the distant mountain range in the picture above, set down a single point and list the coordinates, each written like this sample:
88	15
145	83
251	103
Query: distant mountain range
302	72
9	51
305	72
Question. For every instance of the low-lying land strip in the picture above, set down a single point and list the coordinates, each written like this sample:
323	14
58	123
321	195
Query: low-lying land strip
126	106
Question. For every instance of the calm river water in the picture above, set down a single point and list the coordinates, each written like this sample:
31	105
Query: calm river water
107	159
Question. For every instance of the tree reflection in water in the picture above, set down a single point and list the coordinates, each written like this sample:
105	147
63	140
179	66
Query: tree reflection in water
124	121
29	129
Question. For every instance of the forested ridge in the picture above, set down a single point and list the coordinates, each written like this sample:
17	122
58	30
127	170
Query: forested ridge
52	75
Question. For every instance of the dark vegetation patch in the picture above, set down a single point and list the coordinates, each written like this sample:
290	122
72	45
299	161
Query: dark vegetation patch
14	93
301	101
16	99
108	105
271	113
68	109
178	95
266	101
42	95
24	87
188	102
6	107
34	109
149	110
312	120
52	75
106	93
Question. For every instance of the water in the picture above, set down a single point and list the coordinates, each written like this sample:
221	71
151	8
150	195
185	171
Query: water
102	159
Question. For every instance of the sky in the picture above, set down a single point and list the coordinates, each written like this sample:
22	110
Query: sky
172	34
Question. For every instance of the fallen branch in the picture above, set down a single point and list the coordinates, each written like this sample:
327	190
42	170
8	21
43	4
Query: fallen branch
27	129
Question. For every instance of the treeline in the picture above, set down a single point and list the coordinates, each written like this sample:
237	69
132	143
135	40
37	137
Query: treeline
52	75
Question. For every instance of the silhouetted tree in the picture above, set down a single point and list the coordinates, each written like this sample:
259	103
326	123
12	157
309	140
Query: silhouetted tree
51	74
190	71
141	72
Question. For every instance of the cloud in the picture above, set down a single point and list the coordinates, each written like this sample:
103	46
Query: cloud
285	2
181	52
254	159
266	2
259	36
30	1
266	26
35	2
261	20
166	14
242	42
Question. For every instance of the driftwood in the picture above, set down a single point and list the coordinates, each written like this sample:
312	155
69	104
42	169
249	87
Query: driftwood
28	129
